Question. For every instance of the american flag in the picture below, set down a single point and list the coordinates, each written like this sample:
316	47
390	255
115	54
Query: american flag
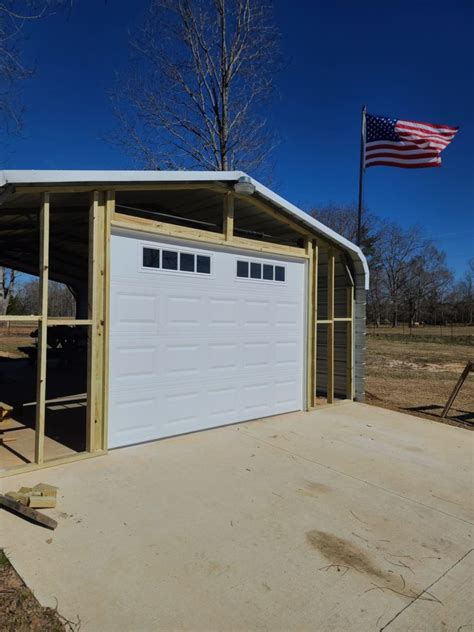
410	144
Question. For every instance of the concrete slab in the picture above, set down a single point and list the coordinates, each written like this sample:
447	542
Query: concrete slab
348	518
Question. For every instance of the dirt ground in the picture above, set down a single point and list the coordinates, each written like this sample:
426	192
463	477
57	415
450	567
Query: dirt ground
20	611
415	374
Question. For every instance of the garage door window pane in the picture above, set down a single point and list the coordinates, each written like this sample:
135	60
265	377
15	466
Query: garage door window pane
256	270
151	258
203	264
279	273
186	262
243	269
170	260
268	272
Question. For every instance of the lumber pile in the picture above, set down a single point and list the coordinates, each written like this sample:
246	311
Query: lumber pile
26	500
40	496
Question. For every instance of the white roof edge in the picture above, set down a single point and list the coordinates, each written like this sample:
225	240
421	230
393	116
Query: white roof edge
25	177
313	223
45	176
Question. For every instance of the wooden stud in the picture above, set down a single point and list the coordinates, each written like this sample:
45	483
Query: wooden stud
315	311
330	332
228	223
33	467
92	301
109	211
128	222
41	365
274	214
350	344
310	356
27	319
69	322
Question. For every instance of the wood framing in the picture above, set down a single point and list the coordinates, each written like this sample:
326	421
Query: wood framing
228	223
330	326
96	360
129	222
350	342
42	329
279	216
311	326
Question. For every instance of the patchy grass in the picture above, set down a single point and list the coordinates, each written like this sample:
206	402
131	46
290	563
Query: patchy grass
13	337
19	609
417	376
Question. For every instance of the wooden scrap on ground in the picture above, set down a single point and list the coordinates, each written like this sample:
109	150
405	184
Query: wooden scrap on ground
5	414
27	512
467	369
40	495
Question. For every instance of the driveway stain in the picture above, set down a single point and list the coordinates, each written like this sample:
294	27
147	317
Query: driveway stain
341	552
313	488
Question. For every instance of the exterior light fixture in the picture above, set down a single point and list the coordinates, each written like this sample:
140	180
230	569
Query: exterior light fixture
245	186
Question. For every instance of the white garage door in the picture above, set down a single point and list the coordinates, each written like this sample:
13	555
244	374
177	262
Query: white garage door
200	338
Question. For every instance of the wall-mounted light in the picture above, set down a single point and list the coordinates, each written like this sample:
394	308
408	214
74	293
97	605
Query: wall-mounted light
245	186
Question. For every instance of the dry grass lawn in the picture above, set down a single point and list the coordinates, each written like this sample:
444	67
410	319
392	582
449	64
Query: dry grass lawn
20	611
416	374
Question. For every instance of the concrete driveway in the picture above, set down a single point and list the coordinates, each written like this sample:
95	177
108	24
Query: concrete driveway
348	518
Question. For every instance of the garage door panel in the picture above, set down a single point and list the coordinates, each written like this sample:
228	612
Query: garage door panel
132	310
188	353
222	356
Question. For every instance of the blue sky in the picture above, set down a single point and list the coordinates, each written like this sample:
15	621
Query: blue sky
407	59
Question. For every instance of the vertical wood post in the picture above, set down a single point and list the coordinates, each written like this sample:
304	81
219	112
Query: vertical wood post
315	311
42	350
350	344
109	212
311	326
330	336
228	223
94	246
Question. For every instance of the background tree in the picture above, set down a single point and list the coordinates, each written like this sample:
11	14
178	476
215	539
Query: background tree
194	95
14	14
61	301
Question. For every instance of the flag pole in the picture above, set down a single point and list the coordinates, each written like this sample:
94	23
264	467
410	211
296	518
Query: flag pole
361	175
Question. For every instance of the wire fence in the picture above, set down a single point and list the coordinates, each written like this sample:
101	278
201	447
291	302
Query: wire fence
452	330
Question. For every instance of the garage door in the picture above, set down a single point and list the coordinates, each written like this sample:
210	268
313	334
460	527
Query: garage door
200	338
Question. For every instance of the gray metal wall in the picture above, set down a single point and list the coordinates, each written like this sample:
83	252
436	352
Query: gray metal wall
359	339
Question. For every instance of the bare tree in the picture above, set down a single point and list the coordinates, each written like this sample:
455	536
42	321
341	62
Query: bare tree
14	15
61	301
194	95
7	288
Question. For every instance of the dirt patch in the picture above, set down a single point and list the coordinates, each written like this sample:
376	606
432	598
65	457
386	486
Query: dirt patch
19	609
343	553
417	377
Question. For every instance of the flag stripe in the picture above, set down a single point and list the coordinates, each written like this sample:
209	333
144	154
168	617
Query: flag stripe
411	157
403	165
429	127
414	162
400	147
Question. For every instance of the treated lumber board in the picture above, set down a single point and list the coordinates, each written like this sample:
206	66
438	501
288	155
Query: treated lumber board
139	224
42	330
462	378
228	223
330	340
28	512
310	361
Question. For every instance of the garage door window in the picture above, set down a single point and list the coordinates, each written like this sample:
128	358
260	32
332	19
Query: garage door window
155	258
259	271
